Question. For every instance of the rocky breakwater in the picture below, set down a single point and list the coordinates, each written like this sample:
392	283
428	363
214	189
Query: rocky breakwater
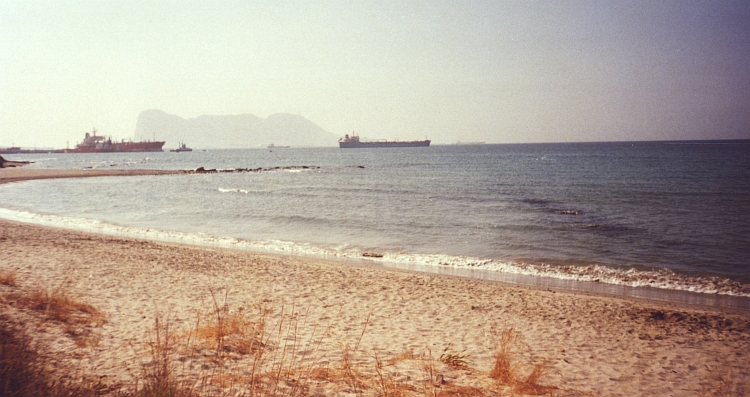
203	170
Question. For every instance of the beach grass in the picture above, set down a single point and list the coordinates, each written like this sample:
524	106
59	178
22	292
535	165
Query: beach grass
241	352
58	305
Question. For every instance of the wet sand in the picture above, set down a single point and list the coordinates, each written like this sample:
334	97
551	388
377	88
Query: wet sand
17	174
591	344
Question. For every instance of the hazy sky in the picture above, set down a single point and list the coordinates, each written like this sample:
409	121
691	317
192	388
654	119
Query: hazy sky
494	71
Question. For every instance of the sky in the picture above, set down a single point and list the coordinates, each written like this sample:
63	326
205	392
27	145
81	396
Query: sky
491	71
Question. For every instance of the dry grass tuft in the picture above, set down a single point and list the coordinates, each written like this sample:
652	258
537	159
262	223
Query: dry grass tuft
531	385
8	278
228	332
503	371
59	306
453	359
508	374
404	356
78	318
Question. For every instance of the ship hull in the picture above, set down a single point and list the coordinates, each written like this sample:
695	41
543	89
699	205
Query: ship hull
121	147
365	145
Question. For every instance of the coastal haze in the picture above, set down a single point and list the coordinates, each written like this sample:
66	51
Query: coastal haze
578	225
496	72
233	132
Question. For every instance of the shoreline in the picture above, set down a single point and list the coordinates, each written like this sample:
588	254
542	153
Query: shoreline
592	344
695	299
16	174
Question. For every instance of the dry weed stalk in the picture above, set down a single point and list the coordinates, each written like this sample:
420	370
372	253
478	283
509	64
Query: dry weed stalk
383	384
299	370
386	385
159	379
428	375
225	331
259	354
347	353
282	363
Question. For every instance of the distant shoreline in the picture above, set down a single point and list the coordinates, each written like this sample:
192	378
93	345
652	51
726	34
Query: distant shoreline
16	174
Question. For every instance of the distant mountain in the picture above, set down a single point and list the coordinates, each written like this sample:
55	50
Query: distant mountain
229	132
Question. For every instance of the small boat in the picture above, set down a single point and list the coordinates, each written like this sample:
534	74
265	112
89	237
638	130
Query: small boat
182	148
272	146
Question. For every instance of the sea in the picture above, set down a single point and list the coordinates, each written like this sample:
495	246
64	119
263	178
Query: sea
667	221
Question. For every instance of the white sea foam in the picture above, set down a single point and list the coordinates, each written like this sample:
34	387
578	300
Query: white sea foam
96	226
224	190
662	279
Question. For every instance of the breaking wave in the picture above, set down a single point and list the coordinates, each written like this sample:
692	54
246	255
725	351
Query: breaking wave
223	190
661	279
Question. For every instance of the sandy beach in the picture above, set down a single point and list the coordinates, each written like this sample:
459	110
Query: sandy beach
17	174
383	330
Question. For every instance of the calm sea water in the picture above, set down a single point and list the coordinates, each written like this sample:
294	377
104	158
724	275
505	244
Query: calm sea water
665	215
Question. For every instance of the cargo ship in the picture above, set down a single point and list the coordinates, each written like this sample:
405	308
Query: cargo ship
353	142
93	143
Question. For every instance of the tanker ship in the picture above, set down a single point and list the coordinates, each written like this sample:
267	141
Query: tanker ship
93	143
353	142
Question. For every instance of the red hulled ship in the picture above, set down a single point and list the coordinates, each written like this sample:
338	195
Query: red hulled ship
93	143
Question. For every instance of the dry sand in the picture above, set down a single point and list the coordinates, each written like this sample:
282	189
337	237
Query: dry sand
592	345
